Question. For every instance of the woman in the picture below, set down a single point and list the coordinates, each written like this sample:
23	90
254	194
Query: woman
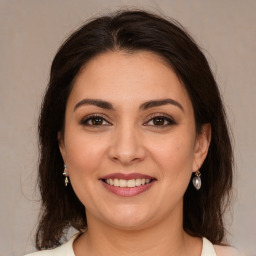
134	116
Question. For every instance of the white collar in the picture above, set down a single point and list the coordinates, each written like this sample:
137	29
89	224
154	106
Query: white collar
208	249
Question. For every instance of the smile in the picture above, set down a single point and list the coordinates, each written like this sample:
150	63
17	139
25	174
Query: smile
127	183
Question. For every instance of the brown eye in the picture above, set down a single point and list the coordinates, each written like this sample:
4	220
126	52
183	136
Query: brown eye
95	121
158	121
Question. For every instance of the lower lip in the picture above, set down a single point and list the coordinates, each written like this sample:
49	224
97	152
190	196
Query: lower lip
128	192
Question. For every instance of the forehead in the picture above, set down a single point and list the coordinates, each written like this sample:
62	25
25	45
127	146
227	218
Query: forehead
124	78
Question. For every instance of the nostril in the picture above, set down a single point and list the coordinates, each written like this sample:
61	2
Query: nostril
126	149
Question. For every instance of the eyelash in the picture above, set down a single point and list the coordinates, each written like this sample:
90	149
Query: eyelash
85	120
165	118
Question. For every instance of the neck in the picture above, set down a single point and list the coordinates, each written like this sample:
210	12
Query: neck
162	238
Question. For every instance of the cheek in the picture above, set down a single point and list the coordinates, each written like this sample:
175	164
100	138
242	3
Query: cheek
174	154
84	153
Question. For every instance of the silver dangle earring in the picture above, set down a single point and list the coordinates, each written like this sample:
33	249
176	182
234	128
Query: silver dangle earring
65	174
197	180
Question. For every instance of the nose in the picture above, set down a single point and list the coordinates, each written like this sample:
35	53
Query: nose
126	146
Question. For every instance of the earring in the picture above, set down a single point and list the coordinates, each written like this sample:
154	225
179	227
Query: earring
65	173
197	180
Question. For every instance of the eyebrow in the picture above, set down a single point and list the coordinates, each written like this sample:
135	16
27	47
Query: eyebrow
149	104
99	103
157	103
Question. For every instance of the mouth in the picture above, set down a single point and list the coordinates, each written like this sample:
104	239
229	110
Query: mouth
132	183
127	184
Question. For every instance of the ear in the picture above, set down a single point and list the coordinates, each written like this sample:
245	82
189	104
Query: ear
61	144
203	141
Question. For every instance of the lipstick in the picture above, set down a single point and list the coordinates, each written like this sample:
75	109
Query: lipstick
127	185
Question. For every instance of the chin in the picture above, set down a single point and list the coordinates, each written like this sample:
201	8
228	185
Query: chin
128	218
128	224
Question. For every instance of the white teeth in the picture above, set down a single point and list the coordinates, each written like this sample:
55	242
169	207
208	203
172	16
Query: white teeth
131	183
127	183
137	182
116	183
122	183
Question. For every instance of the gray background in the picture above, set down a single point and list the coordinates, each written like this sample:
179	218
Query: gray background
30	34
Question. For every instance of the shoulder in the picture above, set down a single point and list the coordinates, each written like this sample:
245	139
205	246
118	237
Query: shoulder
64	250
218	250
41	253
226	251
44	253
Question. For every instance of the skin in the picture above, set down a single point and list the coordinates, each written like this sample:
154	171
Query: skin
128	139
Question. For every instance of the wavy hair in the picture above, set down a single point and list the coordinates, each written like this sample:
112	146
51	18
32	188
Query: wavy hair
134	30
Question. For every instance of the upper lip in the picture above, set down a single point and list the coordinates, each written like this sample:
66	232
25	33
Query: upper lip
125	176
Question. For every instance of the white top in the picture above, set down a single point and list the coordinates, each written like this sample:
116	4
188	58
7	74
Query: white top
208	250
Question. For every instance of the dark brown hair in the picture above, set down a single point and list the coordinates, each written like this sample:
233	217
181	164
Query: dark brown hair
133	31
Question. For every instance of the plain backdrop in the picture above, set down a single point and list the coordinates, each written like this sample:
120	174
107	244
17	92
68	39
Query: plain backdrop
31	32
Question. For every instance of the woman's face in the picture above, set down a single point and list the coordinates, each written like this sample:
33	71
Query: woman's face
130	143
